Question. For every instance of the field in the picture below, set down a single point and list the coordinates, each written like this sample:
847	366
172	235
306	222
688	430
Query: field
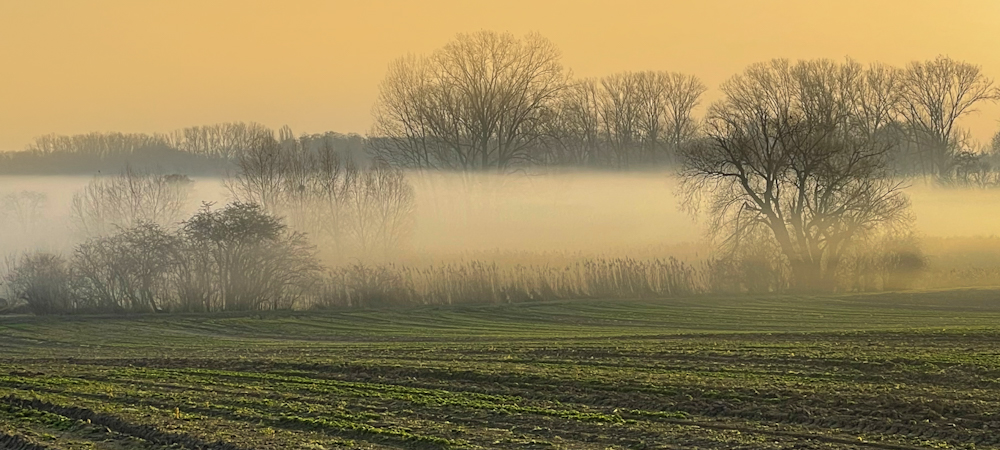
886	371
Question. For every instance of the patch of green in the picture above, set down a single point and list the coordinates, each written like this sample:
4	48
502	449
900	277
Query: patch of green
913	370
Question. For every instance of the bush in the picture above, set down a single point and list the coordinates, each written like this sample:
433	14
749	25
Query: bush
44	282
252	261
129	270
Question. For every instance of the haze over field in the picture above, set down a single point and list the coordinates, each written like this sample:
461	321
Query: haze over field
606	213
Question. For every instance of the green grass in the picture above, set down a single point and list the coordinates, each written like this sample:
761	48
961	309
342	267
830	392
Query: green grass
899	370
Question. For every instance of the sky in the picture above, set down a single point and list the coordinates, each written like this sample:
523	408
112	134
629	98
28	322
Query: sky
70	67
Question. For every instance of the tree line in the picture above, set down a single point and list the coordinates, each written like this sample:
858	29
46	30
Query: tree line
493	101
497	102
198	150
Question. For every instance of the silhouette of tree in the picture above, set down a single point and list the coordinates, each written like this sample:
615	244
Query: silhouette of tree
936	94
478	103
254	261
794	150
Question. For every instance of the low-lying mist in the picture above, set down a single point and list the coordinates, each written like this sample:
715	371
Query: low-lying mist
579	212
474	238
633	214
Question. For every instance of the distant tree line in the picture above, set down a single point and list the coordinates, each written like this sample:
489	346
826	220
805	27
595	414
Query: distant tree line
200	150
491	101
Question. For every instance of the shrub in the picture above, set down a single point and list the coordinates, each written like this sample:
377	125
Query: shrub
44	282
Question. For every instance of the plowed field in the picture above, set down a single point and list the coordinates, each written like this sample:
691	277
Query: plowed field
892	371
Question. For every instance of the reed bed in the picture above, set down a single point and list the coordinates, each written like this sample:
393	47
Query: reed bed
469	282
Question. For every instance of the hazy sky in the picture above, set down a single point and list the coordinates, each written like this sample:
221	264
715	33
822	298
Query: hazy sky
154	66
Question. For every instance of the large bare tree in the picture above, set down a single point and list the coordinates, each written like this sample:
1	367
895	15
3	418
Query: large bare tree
478	103
936	94
794	150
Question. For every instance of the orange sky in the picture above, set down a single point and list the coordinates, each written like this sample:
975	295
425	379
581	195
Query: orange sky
154	66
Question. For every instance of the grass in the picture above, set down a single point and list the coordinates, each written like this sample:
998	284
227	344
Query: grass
893	370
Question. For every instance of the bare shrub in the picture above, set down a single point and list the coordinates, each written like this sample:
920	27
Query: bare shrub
253	261
44	282
129	270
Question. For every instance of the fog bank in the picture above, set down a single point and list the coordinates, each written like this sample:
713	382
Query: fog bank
462	216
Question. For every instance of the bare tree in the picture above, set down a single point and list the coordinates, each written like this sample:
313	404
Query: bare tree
936	94
124	200
261	172
624	119
478	103
788	152
24	209
574	133
379	206
681	95
647	116
620	111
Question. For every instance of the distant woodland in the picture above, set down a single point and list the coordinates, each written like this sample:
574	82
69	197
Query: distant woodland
495	102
